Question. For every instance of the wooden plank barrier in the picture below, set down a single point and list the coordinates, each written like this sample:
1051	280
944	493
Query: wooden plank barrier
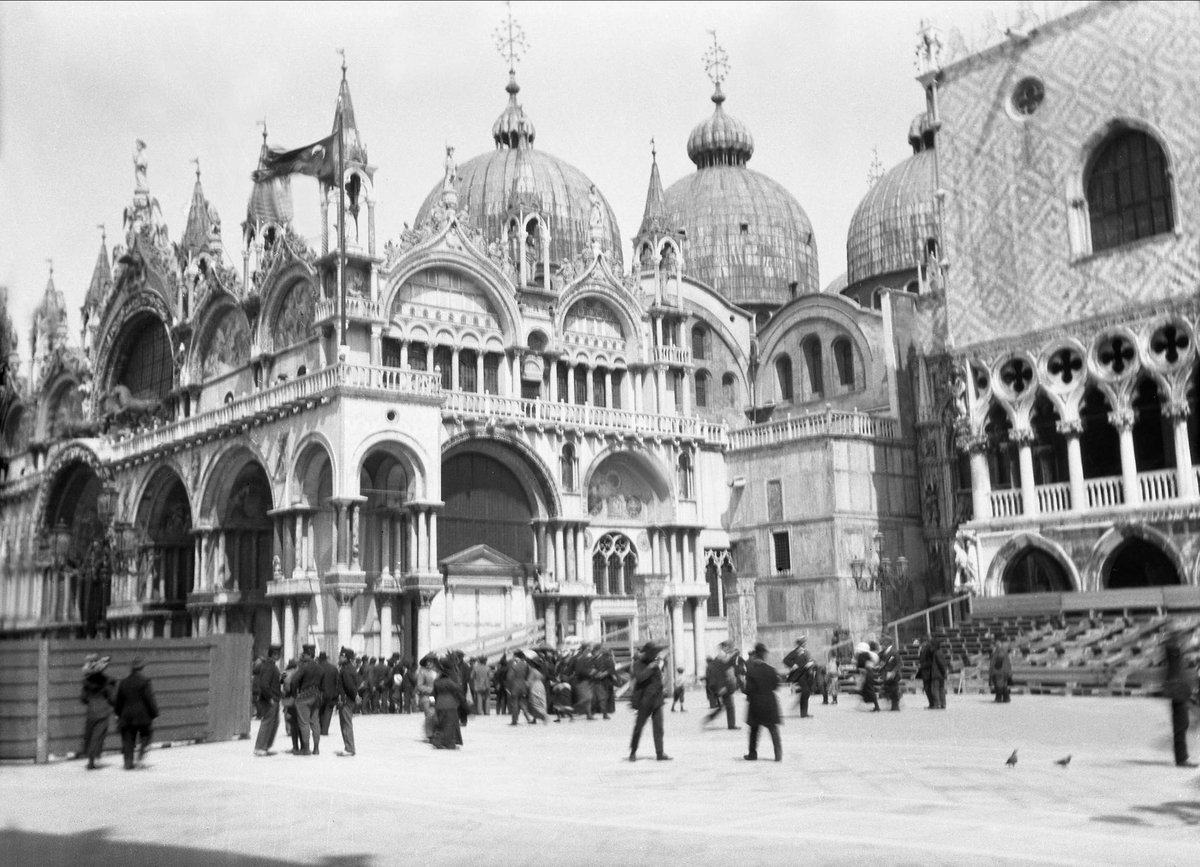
202	686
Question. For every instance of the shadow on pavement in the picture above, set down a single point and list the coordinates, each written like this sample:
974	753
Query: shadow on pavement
1187	812
93	847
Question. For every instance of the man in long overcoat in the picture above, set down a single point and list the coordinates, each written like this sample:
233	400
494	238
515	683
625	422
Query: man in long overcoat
648	698
270	692
136	711
762	707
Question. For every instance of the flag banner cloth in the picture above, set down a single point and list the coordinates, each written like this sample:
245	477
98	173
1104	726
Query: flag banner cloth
318	159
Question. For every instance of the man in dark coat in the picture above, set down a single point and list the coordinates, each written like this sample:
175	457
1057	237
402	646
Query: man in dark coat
939	670
582	681
329	691
448	700
346	692
803	672
514	683
722	677
648	698
270	692
1001	673
308	701
1178	686
925	670
762	708
136	712
605	680
379	684
889	670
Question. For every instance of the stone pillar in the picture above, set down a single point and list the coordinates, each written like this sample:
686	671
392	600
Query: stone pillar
276	624
339	537
385	545
581	554
433	539
553	380
410	559
685	382
1024	440
672	555
741	612
560	560
608	388
377	345
699	627
429	357
345	622
570	383
1071	430
589	396
679	656
352	540
303	621
697	559
455	385
551	623
1122	420
479	387
660	389
385	625
222	570
981	481
1178	412
424	636
289	629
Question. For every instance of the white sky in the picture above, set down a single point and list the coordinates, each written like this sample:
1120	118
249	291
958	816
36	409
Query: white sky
818	84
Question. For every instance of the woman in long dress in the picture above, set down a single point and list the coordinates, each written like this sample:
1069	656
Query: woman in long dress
536	689
426	678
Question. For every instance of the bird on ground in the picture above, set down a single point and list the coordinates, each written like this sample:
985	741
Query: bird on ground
1012	760
1064	762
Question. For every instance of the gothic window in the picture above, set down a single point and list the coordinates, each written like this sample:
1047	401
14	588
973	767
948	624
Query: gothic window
783	370
699	342
569	464
843	356
148	370
702	388
812	365
614	563
1128	190
686	479
729	389
416	356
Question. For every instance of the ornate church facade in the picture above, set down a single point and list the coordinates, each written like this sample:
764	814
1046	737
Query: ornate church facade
503	426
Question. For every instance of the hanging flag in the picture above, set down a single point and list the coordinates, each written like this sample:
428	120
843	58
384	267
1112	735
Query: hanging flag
318	159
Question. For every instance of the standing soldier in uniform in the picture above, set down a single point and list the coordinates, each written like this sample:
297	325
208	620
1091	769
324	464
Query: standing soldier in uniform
308	701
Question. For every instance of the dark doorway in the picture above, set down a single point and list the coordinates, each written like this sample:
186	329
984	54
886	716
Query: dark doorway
1035	571
1137	563
485	504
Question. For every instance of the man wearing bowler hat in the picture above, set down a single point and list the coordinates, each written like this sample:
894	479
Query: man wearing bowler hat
308	701
136	711
762	708
648	698
270	693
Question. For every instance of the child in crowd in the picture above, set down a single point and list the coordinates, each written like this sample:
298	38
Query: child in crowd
832	673
677	695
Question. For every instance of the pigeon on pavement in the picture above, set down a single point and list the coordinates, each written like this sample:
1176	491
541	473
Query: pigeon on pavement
1064	762
1012	760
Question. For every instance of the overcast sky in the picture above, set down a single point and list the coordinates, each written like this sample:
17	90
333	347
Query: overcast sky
818	84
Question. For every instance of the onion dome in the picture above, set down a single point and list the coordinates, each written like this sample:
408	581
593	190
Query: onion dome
747	236
836	285
515	175
720	140
895	220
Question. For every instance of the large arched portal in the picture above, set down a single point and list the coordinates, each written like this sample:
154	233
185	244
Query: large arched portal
486	504
76	585
245	552
167	556
1035	571
1138	563
143	362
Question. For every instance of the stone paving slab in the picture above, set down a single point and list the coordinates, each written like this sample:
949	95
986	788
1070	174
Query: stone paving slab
916	787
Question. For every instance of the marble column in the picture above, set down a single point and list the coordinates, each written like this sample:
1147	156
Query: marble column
410	560
699	627
677	639
1122	420
672	555
433	539
589	396
551	623
455	385
1071	431
424	634
385	625
1177	412
697	558
981	480
560	560
276	624
1029	501
345	620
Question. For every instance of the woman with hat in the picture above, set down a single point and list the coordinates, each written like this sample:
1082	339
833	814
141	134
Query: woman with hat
98	695
448	698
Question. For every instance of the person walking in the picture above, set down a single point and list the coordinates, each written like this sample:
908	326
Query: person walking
1178	686
722	675
925	670
98	694
889	669
762	707
939	670
136	712
481	685
270	692
536	686
515	685
329	691
1001	673
308	701
426	678
802	672
833	673
291	719
648	698
448	699
347	694
605	679
584	666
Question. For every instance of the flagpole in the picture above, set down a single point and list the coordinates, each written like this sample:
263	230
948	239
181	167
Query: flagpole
341	179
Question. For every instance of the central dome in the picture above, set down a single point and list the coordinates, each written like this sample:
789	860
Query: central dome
747	236
491	184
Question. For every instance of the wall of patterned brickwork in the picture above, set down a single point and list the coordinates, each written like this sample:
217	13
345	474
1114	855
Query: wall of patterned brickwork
1011	181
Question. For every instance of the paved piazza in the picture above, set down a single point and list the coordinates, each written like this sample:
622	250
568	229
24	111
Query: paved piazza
918	787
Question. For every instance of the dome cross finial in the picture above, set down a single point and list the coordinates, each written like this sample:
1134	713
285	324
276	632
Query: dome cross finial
653	150
263	124
510	40
103	234
196	160
342	52
716	64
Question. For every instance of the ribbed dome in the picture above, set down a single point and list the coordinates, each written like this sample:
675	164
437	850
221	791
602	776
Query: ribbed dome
747	236
893	221
488	184
720	139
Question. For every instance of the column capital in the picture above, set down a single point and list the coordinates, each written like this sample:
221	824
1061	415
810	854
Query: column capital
1022	436
1072	427
1122	420
1176	410
975	444
423	506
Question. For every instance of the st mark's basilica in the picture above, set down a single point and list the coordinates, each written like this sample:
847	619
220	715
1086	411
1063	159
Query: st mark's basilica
514	418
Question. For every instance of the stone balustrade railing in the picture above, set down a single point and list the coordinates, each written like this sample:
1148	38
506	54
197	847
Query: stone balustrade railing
359	308
1054	498
856	424
1006	503
672	355
461	403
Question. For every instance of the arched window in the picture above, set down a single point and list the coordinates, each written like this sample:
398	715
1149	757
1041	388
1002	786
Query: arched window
1128	190
729	389
783	370
811	348
685	479
702	379
568	462
843	356
614	563
877	299
699	342
466	370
